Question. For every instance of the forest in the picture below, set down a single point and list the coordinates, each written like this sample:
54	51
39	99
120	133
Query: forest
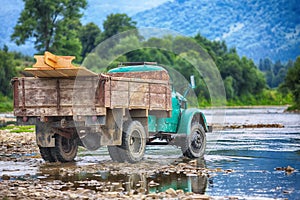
56	27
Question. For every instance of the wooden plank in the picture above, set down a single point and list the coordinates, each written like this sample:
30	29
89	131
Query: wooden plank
39	97
45	72
139	100
158	101
151	75
60	72
119	99
39	83
107	97
138	87
158	88
63	111
58	61
66	96
119	85
67	83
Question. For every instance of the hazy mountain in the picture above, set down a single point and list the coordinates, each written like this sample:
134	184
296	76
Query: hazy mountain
9	14
257	28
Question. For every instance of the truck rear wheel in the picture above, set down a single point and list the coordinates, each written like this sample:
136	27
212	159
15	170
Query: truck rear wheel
65	149
133	142
195	142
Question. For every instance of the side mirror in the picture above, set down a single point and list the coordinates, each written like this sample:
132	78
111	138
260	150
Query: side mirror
192	82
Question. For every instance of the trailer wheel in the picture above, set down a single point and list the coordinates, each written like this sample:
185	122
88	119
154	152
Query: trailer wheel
46	154
195	142
133	142
65	150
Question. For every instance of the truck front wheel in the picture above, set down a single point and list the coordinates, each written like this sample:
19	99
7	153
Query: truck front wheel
133	142
195	143
65	149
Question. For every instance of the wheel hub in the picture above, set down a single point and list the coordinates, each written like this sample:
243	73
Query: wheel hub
196	141
67	145
135	142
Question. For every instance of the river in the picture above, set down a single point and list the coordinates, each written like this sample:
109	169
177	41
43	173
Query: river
246	163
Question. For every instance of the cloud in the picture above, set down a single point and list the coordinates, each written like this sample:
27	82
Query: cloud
233	28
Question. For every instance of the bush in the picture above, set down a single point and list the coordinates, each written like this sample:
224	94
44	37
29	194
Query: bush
6	104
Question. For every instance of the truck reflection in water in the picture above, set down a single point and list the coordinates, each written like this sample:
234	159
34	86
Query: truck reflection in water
196	184
104	181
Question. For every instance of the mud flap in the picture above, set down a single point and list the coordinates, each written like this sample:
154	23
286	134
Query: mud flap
90	139
178	139
93	136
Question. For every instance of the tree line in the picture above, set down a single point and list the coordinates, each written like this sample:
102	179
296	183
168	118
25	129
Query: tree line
55	26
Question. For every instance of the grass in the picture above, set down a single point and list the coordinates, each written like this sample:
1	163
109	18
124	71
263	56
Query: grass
266	98
6	104
19	129
294	108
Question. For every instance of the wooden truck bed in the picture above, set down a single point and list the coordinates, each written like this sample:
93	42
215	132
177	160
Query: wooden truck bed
89	95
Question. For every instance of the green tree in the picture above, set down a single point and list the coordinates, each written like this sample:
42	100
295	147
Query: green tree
7	71
292	82
51	24
87	36
114	24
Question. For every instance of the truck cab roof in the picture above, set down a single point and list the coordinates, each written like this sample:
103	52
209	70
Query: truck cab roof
136	68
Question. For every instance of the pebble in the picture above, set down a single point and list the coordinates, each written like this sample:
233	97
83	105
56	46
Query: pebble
5	177
171	191
200	197
153	184
289	169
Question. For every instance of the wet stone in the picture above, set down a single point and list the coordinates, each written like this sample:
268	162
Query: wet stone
171	191
5	177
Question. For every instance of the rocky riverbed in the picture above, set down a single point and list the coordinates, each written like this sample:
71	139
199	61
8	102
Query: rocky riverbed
20	151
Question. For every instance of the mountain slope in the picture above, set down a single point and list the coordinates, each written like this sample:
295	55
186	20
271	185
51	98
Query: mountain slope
258	29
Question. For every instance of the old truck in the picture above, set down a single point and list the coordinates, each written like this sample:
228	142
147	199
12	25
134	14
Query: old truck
125	109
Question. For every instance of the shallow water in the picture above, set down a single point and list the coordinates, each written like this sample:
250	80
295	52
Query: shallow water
254	155
251	157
